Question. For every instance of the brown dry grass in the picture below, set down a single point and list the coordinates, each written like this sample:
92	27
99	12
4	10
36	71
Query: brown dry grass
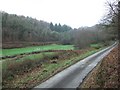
9	45
105	75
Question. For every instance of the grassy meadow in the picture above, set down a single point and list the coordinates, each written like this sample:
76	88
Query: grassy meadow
15	51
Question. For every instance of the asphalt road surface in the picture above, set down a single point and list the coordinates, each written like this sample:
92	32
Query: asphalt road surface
73	76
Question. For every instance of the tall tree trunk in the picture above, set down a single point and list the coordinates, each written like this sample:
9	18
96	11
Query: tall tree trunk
119	44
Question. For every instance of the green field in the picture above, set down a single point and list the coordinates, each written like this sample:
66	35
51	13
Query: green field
99	45
15	51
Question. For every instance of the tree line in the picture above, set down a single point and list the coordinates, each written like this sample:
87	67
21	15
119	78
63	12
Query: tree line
20	28
26	29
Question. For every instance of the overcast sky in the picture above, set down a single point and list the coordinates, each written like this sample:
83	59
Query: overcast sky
75	13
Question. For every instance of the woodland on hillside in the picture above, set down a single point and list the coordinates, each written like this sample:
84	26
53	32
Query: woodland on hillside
26	29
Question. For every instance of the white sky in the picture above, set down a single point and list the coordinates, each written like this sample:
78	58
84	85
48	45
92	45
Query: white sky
75	13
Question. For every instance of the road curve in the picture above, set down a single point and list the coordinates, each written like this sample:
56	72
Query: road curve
74	75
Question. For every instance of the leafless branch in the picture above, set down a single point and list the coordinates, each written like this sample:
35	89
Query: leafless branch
112	5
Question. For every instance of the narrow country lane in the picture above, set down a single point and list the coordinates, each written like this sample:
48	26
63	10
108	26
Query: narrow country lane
74	75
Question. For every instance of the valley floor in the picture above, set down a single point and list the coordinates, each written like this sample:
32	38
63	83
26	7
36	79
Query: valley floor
29	71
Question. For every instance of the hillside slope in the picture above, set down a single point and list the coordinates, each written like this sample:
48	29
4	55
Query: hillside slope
105	75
